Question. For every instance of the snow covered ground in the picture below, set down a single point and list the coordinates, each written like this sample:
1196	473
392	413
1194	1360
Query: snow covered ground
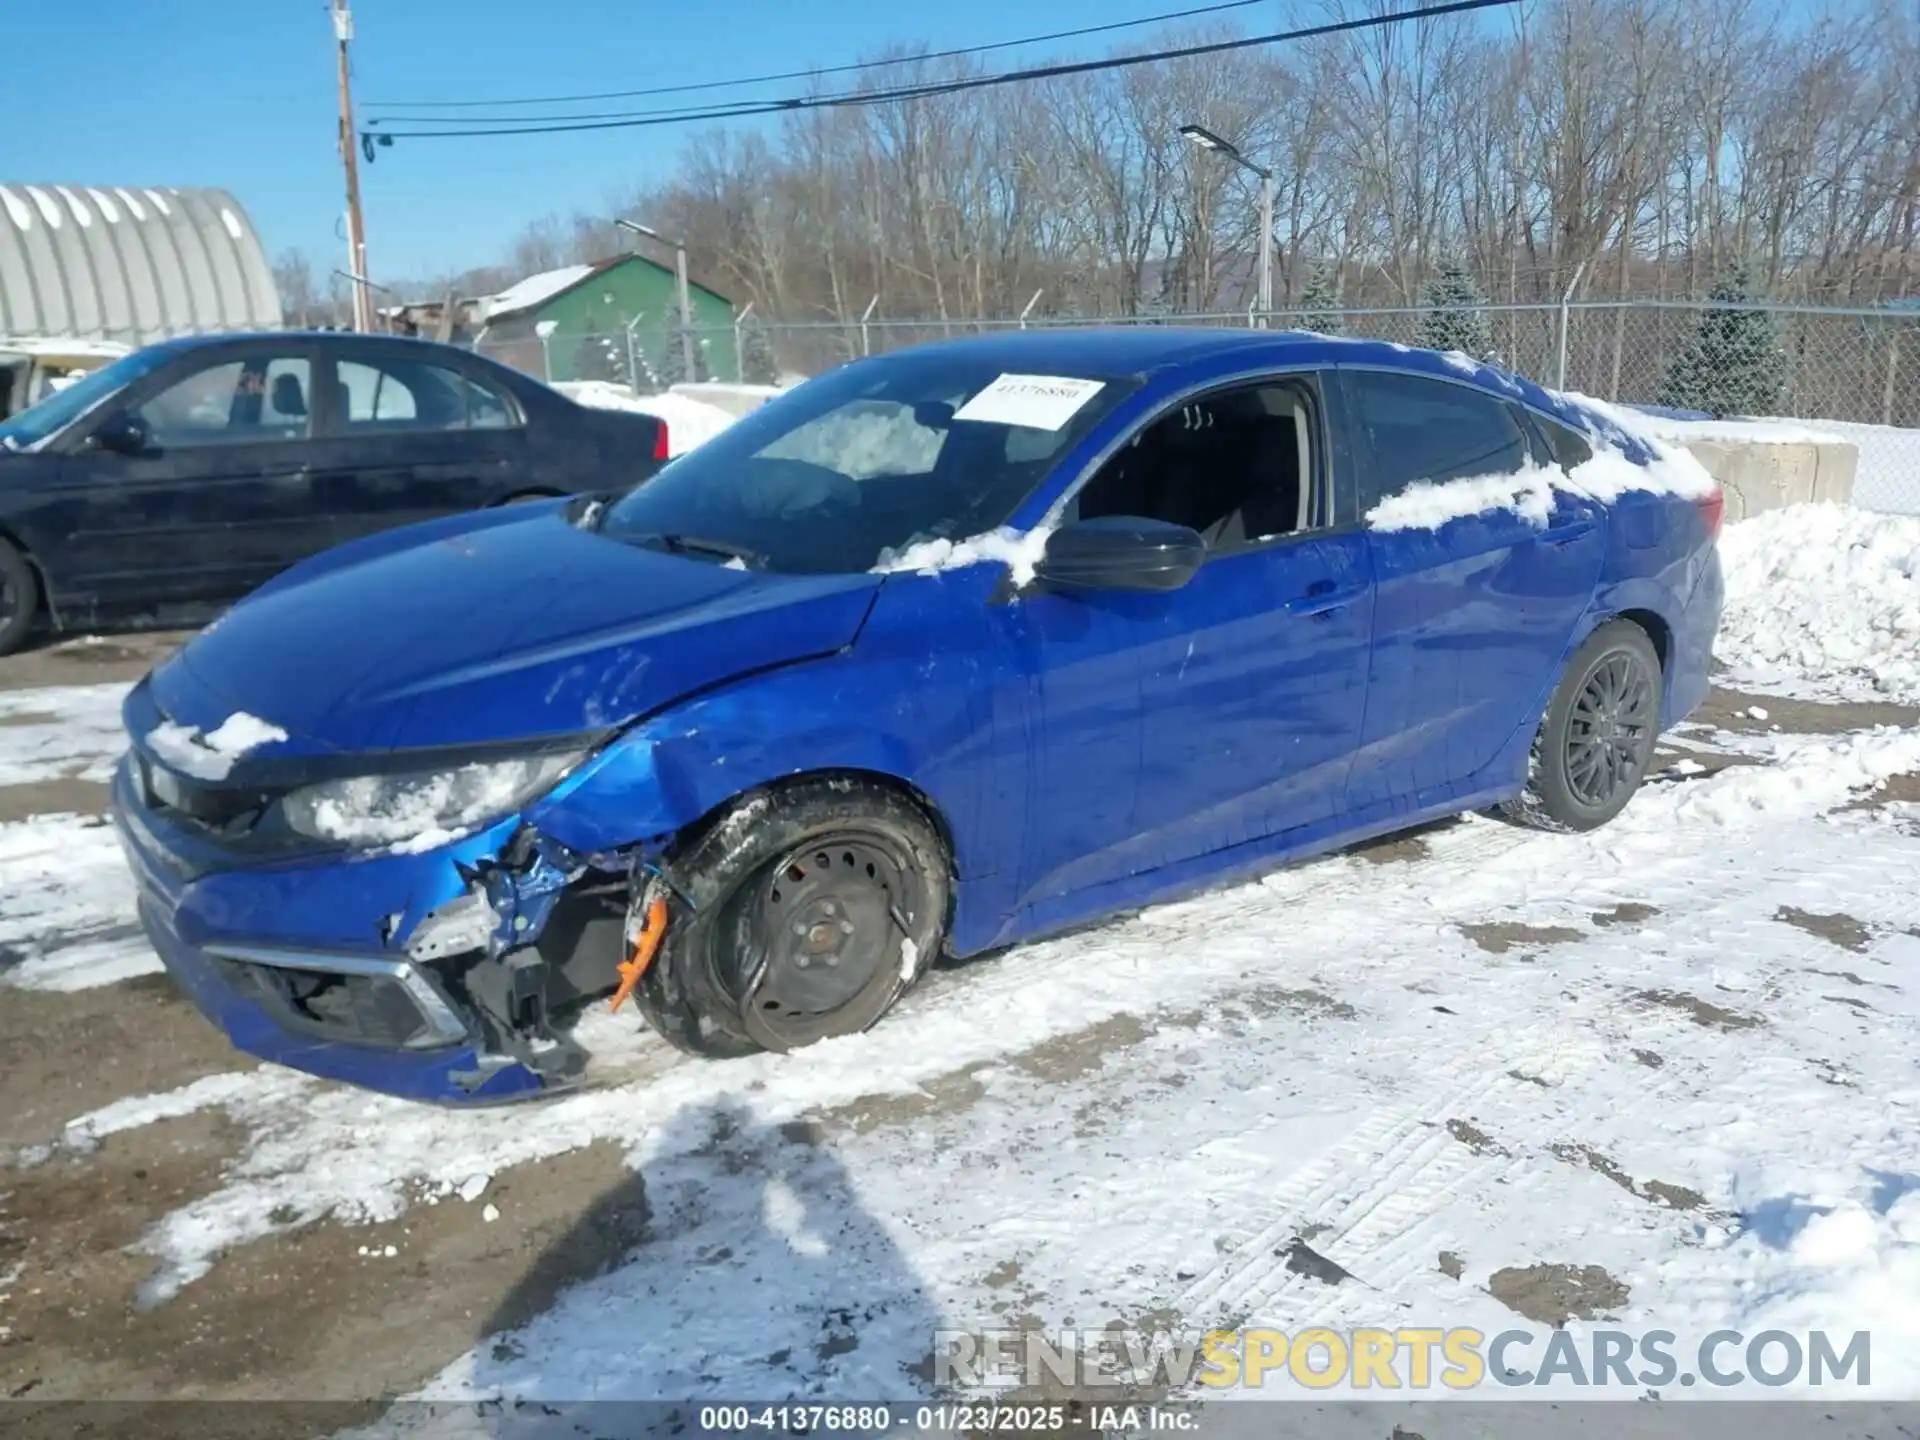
690	423
1660	1076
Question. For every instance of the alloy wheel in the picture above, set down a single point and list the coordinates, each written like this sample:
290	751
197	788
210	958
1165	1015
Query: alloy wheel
1607	730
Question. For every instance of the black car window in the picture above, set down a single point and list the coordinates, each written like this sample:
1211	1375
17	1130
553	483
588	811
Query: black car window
1432	430
1567	447
1240	466
409	395
233	402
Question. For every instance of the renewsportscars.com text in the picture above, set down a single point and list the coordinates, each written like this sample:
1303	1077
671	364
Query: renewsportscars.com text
1405	1358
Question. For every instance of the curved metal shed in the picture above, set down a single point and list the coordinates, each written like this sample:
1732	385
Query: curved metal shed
127	263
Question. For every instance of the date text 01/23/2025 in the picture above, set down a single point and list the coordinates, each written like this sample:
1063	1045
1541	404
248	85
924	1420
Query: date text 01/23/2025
955	1418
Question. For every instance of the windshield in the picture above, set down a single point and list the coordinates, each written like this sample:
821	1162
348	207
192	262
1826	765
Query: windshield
66	405
874	456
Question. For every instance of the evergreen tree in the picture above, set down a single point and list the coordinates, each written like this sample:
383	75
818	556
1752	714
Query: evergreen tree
595	357
671	369
672	364
1734	365
1457	315
757	364
1320	302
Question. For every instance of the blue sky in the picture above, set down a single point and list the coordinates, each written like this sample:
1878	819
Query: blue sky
240	94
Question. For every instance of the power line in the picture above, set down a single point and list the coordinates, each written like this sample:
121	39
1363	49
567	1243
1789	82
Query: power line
848	69
562	125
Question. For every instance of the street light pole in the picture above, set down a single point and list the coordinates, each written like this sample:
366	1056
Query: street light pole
680	280
1266	246
1207	140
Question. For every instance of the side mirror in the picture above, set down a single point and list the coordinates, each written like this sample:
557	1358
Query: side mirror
124	433
1121	552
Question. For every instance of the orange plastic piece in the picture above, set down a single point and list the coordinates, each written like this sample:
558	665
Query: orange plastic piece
644	949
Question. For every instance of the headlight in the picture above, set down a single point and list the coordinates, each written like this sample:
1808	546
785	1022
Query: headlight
422	809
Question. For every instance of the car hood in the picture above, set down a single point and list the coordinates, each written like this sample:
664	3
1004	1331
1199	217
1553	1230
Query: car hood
501	631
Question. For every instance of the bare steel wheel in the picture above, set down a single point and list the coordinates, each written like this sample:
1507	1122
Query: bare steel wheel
814	907
1596	739
816	938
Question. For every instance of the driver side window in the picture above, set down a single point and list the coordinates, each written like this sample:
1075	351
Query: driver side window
1240	466
260	398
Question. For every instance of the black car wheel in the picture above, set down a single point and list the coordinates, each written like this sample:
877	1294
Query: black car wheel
19	598
1597	737
814	908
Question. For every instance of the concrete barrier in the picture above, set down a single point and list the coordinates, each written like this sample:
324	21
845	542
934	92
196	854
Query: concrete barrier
1759	473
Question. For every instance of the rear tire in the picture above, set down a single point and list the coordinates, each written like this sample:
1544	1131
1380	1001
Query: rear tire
1596	739
803	900
19	598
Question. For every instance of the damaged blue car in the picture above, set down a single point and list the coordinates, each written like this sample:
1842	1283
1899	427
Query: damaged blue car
941	651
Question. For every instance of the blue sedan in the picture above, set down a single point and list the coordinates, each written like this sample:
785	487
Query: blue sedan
938	652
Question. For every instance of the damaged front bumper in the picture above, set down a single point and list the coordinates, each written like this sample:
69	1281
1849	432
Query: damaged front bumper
428	975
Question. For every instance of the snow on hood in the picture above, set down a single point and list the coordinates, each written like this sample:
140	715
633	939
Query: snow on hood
1529	492
212	755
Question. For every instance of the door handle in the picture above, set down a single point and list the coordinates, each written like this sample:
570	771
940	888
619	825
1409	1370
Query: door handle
1322	598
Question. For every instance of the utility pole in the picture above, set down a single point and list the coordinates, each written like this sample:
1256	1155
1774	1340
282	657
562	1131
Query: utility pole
349	157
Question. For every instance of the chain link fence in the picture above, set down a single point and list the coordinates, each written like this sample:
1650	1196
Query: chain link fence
1854	373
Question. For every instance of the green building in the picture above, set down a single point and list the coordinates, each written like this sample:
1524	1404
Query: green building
604	321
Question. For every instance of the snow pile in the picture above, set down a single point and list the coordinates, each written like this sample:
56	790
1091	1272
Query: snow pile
211	756
1019	551
690	423
1823	601
1818	1244
1810	775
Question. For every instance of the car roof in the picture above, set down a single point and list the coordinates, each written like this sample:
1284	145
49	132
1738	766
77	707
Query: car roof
1147	349
324	337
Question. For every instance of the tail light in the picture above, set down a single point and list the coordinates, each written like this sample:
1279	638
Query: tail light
660	440
1713	510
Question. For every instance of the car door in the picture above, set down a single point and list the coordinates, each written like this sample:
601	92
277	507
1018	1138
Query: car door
1472	613
408	437
1176	725
218	499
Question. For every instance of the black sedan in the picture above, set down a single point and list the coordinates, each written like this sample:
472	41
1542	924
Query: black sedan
182	476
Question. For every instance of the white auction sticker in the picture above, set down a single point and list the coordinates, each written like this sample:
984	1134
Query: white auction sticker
1037	402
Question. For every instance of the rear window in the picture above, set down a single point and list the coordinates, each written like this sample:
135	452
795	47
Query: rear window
1432	430
1567	447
